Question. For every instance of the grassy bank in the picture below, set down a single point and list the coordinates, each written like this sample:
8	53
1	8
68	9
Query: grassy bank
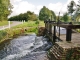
30	26
27	27
10	34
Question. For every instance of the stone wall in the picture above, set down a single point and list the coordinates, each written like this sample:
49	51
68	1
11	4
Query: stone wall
64	51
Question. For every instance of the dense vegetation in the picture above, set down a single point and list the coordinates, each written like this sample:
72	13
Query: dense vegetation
74	12
44	13
27	27
25	16
5	9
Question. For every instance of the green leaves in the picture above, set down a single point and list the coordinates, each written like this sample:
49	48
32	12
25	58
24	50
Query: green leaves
25	16
45	13
2	34
70	7
5	9
65	17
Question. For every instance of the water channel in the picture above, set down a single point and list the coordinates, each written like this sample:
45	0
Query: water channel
28	47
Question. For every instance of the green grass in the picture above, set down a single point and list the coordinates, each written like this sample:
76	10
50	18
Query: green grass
41	24
31	26
2	23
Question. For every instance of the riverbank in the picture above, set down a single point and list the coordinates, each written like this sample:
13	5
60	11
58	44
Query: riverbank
9	34
27	27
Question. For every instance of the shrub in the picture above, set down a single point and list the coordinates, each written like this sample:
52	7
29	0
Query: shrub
36	22
2	34
34	29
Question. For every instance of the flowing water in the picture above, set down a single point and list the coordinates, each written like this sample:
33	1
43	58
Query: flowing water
28	47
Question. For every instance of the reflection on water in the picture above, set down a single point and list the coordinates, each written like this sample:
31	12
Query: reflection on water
28	47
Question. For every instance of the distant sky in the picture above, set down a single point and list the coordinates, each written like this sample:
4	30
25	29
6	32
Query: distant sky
22	6
45	2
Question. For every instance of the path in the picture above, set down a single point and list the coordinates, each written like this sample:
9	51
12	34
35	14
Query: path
14	23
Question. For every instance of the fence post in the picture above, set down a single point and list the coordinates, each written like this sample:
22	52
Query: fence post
9	24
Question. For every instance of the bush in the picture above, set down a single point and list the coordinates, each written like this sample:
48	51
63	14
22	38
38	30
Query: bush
2	34
37	22
14	32
34	29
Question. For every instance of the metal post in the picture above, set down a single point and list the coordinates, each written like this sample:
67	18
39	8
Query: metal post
50	28
54	35
59	32
68	34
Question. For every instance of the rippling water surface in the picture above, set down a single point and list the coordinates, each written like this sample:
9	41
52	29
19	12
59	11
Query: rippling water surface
28	47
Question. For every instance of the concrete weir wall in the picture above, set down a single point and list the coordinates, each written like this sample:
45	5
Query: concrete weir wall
64	51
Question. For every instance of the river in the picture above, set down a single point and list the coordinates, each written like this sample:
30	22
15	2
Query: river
28	47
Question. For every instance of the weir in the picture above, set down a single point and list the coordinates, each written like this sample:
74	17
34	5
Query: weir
66	46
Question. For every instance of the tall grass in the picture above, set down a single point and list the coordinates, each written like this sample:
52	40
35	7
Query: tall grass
2	34
31	26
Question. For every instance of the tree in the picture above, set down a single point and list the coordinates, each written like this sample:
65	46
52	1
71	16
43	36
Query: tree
65	17
44	13
31	16
5	9
71	8
24	16
76	15
53	15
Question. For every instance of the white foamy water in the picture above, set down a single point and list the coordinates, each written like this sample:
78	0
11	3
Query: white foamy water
24	48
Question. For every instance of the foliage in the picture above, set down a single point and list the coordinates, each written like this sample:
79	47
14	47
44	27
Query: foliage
75	12
27	27
76	15
5	9
33	29
14	32
25	16
70	7
45	13
73	54
53	15
37	22
31	16
30	26
2	34
65	17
